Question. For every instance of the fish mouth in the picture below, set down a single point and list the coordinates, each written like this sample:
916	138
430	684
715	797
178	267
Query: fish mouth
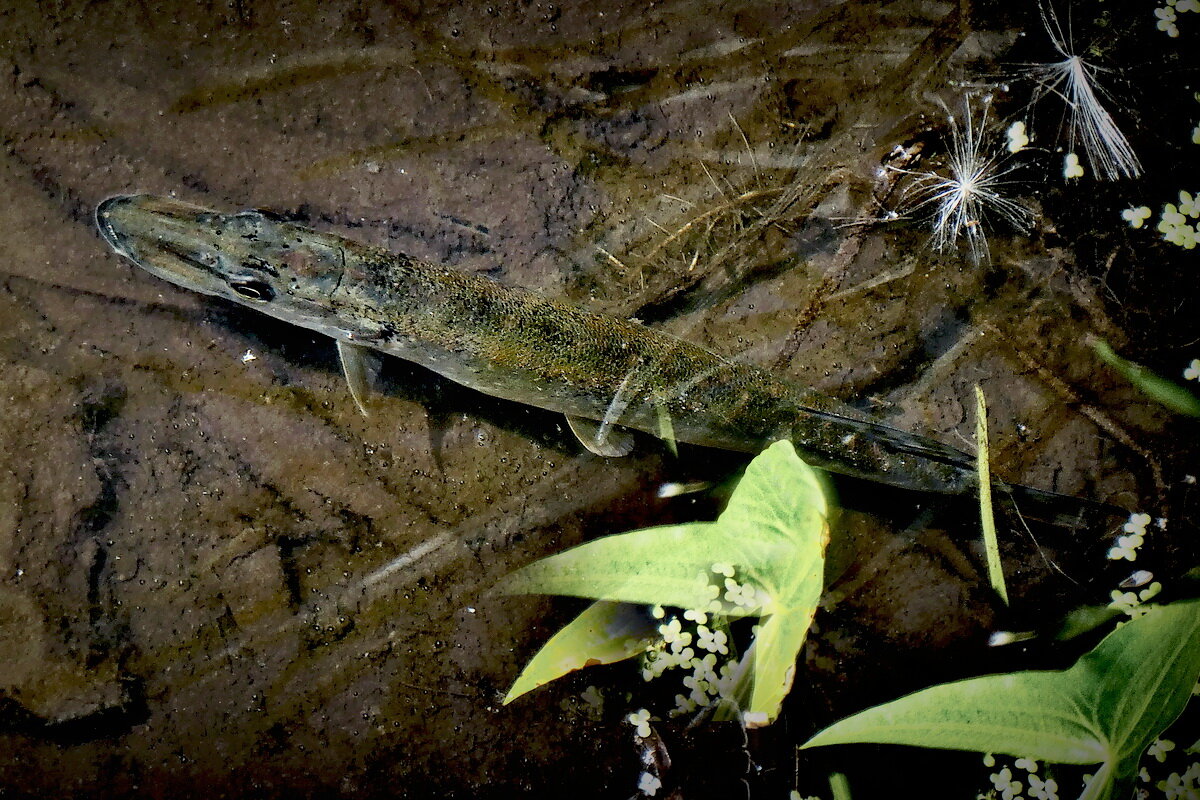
108	213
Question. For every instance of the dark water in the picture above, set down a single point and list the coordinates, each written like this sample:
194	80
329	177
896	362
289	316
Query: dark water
217	578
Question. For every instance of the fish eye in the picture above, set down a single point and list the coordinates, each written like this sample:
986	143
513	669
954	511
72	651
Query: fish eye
253	289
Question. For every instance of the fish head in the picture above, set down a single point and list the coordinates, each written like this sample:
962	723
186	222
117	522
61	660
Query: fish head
252	258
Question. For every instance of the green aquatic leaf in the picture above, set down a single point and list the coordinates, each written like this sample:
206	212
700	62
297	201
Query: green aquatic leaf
772	534
1168	392
1106	709
604	633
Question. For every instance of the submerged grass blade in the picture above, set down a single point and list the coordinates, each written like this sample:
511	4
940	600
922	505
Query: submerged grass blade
986	517
1169	393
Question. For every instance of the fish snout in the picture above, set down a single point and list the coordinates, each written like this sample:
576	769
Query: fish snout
108	220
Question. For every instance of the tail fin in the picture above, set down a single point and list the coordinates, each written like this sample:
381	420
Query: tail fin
1060	510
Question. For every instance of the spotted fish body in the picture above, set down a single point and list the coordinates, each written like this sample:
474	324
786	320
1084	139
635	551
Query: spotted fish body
513	343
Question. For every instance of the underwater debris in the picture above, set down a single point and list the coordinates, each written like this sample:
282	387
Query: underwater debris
972	192
1088	121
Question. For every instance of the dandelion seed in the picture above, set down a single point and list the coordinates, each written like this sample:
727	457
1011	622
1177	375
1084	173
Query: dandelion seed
1074	81
963	201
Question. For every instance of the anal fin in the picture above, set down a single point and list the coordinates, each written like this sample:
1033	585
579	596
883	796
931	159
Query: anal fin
603	440
360	365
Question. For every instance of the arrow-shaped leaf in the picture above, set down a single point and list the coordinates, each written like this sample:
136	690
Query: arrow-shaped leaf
773	534
1106	709
604	633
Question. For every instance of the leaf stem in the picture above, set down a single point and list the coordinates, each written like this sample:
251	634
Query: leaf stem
986	518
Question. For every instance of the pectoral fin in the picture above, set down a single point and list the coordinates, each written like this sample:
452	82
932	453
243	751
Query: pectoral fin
360	365
602	440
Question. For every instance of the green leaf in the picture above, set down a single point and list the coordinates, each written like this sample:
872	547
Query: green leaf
1167	392
1105	709
604	633
773	533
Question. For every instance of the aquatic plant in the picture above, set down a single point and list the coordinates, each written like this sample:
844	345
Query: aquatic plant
763	557
1107	709
1168	15
1166	392
987	519
1089	124
972	191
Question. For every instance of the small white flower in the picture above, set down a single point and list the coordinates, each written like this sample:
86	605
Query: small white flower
684	705
1173	787
1043	789
1123	601
1071	166
1192	373
1120	551
713	641
640	720
1018	139
1187	206
671	631
593	697
649	784
1027	764
1136	217
1137	523
1159	749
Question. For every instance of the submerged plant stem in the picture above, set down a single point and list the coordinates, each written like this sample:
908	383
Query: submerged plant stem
986	517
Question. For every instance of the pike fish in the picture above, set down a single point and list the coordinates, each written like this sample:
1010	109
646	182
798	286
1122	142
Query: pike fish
606	374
